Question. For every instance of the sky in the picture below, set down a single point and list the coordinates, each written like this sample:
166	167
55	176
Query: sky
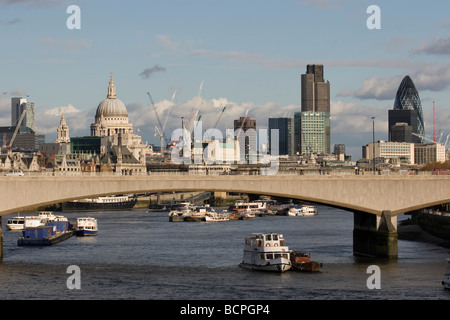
248	54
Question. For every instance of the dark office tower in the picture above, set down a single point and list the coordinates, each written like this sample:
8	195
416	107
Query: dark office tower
401	132
315	91
250	146
285	128
314	120
408	109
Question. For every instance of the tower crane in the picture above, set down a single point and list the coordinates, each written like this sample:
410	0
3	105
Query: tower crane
220	116
19	122
190	123
158	131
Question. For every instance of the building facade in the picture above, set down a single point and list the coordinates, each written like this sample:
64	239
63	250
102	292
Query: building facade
315	132
285	128
245	133
392	152
314	120
429	153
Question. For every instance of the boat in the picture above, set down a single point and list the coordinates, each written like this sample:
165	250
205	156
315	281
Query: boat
254	208
294	211
50	233
302	262
197	214
302	210
100	203
446	281
16	223
309	210
34	221
86	227
177	213
266	252
217	216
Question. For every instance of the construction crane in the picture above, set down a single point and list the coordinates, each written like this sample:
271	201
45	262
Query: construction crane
168	113
220	116
190	123
158	131
424	138
19	122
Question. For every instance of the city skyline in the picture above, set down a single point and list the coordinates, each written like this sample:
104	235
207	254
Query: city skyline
249	55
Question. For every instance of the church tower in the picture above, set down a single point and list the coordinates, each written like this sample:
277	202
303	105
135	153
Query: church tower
62	131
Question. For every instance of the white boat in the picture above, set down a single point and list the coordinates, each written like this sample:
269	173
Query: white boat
197	214
266	252
309	210
16	223
249	207
295	211
446	281
48	216
86	227
217	216
34	222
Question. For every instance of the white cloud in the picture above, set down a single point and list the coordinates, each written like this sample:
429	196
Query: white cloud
77	120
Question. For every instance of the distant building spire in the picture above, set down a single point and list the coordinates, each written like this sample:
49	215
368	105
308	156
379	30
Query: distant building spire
62	131
111	89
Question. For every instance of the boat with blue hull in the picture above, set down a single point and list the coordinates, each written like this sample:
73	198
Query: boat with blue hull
50	233
86	227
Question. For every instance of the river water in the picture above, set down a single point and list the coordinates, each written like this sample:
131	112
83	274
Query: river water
141	255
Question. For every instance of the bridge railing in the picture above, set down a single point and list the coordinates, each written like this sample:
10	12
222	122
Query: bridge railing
321	172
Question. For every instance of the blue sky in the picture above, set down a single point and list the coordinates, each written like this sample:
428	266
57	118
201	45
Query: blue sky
249	53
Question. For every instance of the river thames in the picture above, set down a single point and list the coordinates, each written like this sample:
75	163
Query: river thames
140	255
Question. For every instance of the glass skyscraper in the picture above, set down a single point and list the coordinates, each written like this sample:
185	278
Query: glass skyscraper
285	128
408	109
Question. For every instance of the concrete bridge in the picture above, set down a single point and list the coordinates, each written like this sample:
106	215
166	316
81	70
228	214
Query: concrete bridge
375	200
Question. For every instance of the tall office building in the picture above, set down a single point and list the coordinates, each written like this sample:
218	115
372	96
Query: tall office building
315	91
407	109
18	105
249	151
314	120
285	128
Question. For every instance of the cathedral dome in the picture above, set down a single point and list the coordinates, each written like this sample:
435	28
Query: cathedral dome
111	106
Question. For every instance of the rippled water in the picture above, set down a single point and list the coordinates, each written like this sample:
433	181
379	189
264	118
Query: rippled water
141	255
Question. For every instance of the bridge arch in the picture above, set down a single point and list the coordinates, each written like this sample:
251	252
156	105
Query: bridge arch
375	200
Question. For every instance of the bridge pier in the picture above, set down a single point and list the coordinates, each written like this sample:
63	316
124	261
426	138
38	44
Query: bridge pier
375	235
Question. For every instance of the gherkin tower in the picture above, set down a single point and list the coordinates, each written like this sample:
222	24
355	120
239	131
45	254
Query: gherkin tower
407	98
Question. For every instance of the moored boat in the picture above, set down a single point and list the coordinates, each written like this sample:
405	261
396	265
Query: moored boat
49	233
446	281
309	210
100	203
254	208
177	214
295	211
86	226
217	216
266	252
197	214
16	223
